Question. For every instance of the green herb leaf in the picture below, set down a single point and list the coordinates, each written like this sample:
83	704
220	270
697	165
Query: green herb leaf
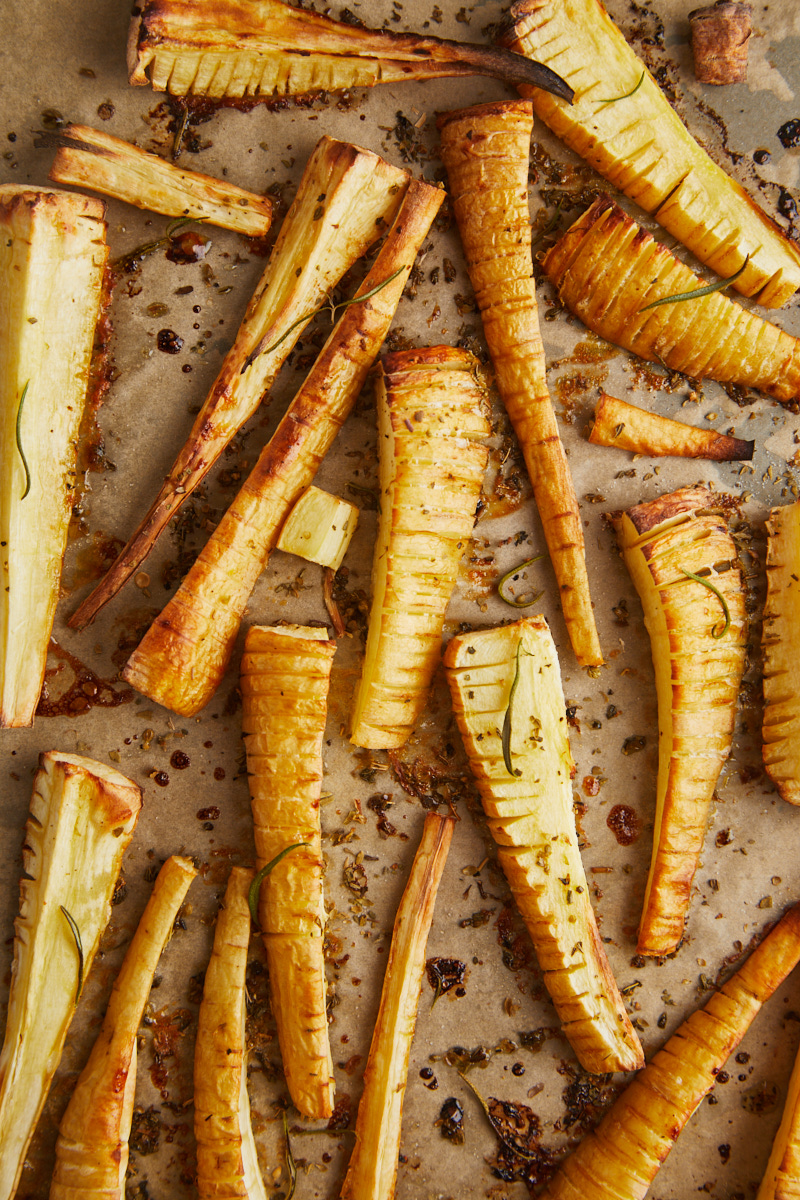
506	734
633	90
147	248
19	442
255	887
720	597
76	933
290	1163
519	601
719	286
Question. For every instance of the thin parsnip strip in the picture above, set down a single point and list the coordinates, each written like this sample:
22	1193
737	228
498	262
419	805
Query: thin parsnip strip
183	656
285	676
626	427
782	1177
93	159
227	1163
373	1166
346	199
780	732
486	151
92	1145
620	1159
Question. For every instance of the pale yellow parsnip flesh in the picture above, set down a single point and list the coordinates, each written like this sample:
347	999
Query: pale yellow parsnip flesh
781	723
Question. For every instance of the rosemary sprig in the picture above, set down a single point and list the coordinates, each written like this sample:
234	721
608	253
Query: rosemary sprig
634	89
174	227
720	597
506	734
76	933
719	286
290	1163
254	890
332	308
19	442
513	574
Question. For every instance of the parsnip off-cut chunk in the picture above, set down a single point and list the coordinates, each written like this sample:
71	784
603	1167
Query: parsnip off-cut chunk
285	676
624	126
227	1163
372	1171
51	277
93	159
82	819
92	1145
698	636
346	199
432	406
486	151
260	48
509	705
319	528
620	1158
607	270
780	733
627	427
183	655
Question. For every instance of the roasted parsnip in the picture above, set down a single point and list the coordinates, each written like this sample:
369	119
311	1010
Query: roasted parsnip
262	48
346	198
185	652
620	1159
432	407
627	427
54	255
373	1166
285	675
684	565
92	1145
89	158
319	528
509	705
635	293
624	126
782	1177
780	731
227	1163
486	151
82	819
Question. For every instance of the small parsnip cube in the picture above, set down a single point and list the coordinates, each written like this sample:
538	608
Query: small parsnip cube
319	528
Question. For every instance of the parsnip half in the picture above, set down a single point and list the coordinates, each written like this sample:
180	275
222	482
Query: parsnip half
432	407
183	656
627	427
486	151
780	733
285	676
93	159
620	1159
227	1163
510	708
82	819
698	655
92	1145
782	1177
624	126
607	270
346	199
372	1171
51	275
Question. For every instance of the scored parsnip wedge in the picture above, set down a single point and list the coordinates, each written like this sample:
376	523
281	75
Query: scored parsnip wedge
782	1176
51	282
93	159
92	1145
486	151
624	126
509	705
780	732
620	1158
698	637
372	1171
82	819
183	656
285	677
627	427
607	270
432	407
227	1162
346	199
261	48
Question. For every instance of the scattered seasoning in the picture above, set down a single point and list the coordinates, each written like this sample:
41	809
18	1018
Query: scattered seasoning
626	95
624	824
451	1121
169	342
255	887
789	134
208	814
762	156
444	974
762	1098
290	1163
707	584
76	933
145	1130
160	778
19	442
379	804
179	760
355	877
696	293
634	744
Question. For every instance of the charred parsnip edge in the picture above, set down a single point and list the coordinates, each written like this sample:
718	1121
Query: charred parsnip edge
626	427
780	732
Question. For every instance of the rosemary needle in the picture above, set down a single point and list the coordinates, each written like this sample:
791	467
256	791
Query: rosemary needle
19	442
506	734
696	293
512	575
254	890
720	597
635	88
76	933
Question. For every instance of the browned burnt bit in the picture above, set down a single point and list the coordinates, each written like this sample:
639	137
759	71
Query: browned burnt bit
450	1122
179	760
444	974
624	823
340	1117
379	803
520	1155
87	690
514	940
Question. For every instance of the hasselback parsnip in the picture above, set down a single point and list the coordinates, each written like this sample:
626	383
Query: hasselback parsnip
486	151
780	732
